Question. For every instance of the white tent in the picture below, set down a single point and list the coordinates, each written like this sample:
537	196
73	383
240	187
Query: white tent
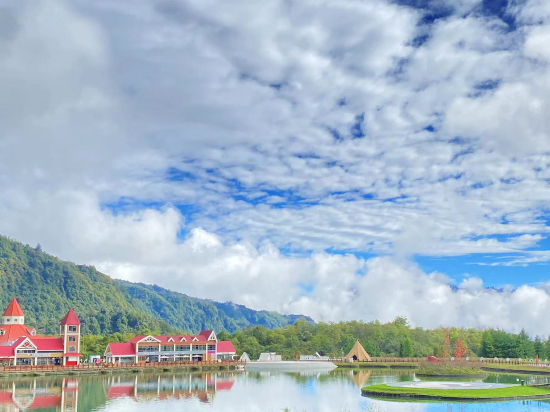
269	357
244	357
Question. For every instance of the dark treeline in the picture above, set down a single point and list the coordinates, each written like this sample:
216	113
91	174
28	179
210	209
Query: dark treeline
393	339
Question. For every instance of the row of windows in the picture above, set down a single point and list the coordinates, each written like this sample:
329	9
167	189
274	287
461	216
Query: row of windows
15	320
178	348
71	349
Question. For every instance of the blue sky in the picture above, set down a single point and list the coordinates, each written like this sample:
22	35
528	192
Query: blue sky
350	159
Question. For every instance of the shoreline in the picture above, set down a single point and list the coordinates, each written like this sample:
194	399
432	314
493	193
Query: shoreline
518	371
451	398
453	394
374	366
114	369
475	375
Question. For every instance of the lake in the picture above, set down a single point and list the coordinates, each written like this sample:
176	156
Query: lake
335	391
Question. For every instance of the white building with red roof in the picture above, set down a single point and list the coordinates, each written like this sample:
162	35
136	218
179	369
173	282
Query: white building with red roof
226	350
19	344
149	348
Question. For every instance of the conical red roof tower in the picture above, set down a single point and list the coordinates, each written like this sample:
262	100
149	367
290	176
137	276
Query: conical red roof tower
14	309
70	318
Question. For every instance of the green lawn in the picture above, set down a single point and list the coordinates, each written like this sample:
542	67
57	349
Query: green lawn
473	394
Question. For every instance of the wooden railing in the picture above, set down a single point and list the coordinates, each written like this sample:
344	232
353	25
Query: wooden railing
503	361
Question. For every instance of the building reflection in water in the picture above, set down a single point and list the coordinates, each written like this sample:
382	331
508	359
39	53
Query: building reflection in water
76	394
58	394
146	388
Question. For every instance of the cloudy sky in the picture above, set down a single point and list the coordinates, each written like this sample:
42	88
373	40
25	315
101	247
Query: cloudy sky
343	159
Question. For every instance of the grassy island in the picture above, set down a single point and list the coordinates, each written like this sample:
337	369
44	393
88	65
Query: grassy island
510	393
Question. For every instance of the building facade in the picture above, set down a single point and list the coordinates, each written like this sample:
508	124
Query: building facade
144	349
19	344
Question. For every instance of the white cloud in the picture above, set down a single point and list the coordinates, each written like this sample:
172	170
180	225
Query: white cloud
536	43
254	110
144	247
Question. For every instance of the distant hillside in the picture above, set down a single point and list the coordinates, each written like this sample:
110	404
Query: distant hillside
194	314
47	287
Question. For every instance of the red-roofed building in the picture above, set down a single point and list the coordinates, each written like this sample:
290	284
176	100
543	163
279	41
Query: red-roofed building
19	344
226	350
203	346
70	318
15	311
13	324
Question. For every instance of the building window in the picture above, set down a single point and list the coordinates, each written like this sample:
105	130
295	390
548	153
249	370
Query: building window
211	347
148	348
183	348
72	328
167	348
198	347
72	349
72	338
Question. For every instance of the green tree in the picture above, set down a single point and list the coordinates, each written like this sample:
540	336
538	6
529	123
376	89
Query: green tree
371	349
487	345
547	349
538	347
406	348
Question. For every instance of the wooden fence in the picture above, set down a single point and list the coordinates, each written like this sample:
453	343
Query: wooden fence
503	361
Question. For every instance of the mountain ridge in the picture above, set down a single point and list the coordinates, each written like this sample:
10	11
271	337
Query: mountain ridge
47	287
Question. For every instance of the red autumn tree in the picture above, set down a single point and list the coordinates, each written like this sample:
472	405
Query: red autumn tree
460	349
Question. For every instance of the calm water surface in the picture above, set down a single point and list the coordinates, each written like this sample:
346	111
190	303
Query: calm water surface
337	391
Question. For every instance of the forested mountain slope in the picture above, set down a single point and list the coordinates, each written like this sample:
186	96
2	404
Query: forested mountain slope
189	313
46	287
